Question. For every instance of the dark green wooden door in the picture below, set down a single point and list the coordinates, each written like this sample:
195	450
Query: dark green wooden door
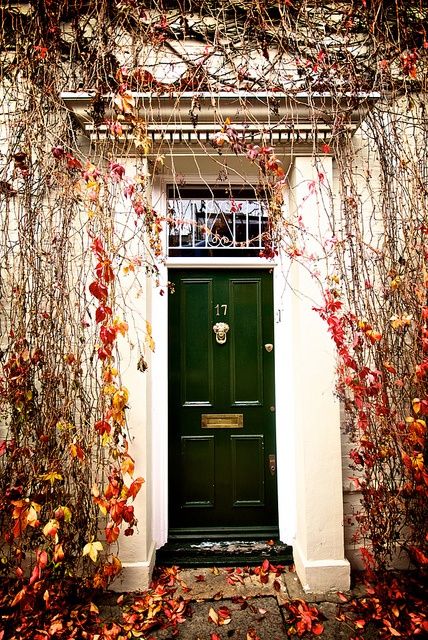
222	476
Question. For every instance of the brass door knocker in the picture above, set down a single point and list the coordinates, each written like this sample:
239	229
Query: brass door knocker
220	329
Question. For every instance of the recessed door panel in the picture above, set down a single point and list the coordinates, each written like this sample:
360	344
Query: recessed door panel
246	348
197	463
196	361
248	482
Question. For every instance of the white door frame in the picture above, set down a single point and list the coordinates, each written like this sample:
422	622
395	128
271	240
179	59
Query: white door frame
309	471
283	387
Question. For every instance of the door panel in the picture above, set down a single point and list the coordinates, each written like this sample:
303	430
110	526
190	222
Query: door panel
197	453
247	470
246	313
221	404
196	350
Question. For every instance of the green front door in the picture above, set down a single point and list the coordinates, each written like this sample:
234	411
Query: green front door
222	458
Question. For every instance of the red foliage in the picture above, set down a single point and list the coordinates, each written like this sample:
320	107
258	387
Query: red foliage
394	604
303	618
389	448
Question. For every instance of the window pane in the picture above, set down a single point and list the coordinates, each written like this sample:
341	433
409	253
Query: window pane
217	221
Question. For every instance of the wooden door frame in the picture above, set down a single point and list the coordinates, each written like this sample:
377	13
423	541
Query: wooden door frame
159	396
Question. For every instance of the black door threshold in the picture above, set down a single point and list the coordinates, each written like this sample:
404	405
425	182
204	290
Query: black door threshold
225	553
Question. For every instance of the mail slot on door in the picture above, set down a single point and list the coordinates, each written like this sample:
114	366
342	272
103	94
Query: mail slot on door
222	421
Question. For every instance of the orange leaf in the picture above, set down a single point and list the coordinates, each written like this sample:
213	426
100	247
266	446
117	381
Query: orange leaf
19	596
317	628
127	465
373	336
135	487
360	624
125	102
416	404
112	534
58	553
420	556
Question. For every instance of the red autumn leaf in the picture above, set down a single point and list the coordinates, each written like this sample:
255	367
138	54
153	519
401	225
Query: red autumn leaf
213	636
116	510
98	290
224	612
317	628
35	575
424	407
200	578
102	426
107	335
72	162
420	557
42	559
98	248
105	352
277	585
128	514
104	271
117	171
135	487
112	534
102	312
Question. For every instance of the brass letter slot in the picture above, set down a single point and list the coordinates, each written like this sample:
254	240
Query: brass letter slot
222	421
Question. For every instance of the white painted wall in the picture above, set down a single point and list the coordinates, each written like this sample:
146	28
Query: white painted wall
318	547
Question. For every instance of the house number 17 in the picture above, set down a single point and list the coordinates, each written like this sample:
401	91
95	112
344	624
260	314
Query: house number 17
223	307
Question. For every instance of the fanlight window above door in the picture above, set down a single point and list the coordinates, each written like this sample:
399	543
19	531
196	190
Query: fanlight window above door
216	221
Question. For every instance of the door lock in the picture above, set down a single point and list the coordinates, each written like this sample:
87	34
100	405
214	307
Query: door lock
272	464
269	347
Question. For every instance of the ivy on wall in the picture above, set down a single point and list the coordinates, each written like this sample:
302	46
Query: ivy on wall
67	480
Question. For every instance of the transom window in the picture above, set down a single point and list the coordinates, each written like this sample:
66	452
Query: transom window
216	221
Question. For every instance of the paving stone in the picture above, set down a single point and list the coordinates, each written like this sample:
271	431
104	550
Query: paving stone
259	614
293	586
252	604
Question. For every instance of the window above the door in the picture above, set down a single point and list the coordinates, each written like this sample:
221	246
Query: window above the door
216	221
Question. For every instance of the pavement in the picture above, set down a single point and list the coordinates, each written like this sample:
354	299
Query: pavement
236	604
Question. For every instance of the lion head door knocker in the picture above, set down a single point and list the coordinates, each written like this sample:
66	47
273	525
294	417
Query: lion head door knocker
220	329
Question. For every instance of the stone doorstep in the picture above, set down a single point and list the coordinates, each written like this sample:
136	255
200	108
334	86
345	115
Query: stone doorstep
228	553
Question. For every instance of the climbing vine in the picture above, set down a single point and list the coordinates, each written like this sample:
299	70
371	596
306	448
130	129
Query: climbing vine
67	478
